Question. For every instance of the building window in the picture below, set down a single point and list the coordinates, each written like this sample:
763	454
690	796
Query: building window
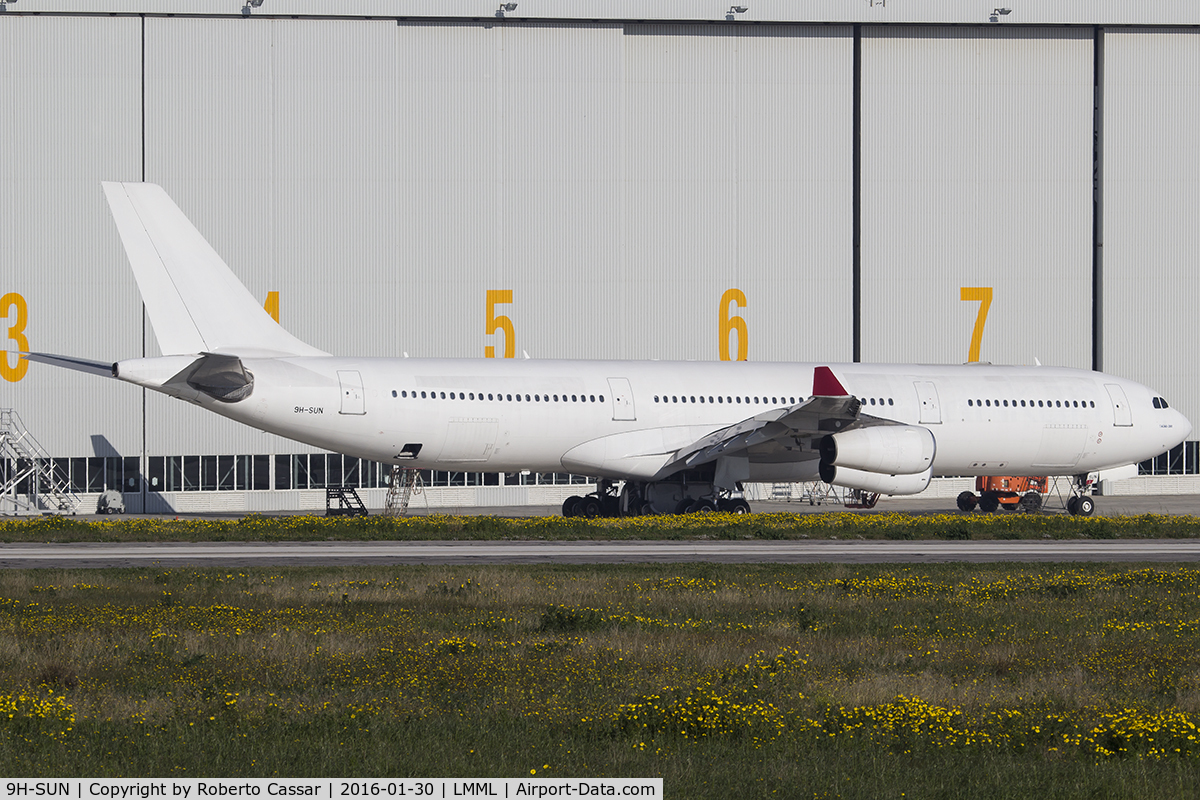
300	471
1183	459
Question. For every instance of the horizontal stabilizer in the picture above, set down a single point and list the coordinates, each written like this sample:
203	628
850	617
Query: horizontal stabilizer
104	368
194	301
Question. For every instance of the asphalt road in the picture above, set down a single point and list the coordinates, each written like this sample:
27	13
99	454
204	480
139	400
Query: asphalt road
279	554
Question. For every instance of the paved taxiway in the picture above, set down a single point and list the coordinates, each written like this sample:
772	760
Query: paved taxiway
277	554
223	554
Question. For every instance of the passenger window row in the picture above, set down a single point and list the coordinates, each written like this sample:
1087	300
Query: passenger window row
517	398
776	401
1040	403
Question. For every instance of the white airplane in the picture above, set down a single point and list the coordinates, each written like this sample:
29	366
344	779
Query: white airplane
657	436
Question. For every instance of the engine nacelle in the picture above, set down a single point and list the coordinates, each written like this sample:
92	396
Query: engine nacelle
888	449
875	481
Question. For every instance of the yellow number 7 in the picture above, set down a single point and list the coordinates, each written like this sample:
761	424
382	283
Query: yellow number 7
984	295
497	297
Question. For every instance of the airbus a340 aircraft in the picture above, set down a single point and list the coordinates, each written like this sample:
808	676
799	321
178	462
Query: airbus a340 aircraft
658	436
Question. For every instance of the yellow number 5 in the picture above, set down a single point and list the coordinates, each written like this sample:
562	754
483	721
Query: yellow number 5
15	333
497	297
735	323
984	295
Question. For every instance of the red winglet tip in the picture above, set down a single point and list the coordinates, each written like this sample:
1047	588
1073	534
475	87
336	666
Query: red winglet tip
825	384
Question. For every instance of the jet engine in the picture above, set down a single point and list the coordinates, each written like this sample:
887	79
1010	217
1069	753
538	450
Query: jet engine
875	481
887	449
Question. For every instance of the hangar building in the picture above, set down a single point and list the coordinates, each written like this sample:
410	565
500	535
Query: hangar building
665	179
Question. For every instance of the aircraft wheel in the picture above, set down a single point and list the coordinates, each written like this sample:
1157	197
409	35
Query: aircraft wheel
739	506
610	506
648	509
684	506
988	502
966	501
703	507
1031	503
571	506
589	507
1073	506
1085	506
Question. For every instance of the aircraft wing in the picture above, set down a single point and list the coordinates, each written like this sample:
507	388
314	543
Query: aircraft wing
829	410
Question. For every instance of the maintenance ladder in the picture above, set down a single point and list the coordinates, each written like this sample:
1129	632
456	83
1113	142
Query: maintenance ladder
349	504
29	484
404	483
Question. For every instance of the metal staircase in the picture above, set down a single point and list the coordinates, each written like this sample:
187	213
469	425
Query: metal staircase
404	483
29	484
349	504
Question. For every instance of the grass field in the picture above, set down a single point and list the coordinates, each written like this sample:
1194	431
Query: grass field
773	681
844	525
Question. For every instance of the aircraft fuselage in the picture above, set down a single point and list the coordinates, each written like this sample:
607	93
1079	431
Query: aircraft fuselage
505	415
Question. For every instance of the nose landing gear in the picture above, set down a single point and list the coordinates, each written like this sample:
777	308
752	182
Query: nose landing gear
1081	504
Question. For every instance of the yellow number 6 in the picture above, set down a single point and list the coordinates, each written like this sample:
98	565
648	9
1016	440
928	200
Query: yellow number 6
15	333
497	297
734	323
984	295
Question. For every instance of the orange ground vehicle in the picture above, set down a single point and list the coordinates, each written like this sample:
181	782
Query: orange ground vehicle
1012	493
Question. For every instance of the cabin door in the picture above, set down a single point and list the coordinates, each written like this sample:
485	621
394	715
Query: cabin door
1122	416
352	392
931	411
622	396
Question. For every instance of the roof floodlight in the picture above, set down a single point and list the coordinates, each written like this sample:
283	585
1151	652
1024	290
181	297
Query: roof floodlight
738	9
508	7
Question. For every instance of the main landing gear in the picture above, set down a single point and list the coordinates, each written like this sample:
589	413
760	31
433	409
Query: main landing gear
634	499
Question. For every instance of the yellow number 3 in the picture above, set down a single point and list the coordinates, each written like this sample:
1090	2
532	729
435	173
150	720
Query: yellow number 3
16	334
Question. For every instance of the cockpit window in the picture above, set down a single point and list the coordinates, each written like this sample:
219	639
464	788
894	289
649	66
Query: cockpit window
1160	402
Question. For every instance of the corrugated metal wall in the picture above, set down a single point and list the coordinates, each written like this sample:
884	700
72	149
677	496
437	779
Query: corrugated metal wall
977	172
511	146
279	140
617	179
70	112
738	170
1151	202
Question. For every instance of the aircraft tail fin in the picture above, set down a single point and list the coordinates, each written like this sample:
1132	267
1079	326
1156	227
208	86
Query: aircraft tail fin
195	302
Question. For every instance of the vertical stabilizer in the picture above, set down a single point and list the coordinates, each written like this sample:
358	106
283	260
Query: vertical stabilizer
194	301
